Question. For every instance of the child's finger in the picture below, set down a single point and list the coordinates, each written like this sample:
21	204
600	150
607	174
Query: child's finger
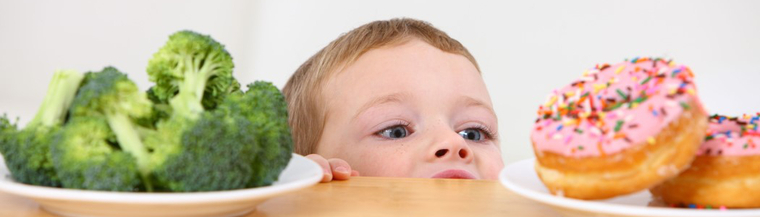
340	169
354	173
327	174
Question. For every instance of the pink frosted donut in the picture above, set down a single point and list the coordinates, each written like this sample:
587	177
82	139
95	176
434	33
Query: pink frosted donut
618	129
731	136
726	171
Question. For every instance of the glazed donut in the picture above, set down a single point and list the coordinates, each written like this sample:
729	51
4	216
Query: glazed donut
618	129
726	171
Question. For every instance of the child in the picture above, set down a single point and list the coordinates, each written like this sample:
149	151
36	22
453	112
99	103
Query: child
395	98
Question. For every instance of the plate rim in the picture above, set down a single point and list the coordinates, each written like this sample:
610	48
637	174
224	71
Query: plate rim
313	176
600	206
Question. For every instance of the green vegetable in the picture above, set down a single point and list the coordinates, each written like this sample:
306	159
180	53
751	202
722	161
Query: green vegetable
86	156
26	151
196	68
202	149
265	106
245	142
194	130
110	96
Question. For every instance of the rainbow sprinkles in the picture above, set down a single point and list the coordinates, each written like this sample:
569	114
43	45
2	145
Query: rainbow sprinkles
614	107
737	136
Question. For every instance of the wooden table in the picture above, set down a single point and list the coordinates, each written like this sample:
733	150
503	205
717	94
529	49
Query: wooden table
371	196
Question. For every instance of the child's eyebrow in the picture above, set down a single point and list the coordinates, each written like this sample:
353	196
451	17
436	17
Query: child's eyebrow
390	98
467	101
473	102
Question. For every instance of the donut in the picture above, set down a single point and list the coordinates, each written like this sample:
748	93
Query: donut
618	129
726	171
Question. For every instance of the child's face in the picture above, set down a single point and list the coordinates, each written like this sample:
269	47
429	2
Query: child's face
411	110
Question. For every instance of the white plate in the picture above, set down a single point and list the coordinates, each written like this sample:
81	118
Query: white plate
300	173
521	178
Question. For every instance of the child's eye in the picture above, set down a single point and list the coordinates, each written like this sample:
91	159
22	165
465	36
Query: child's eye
474	134
394	132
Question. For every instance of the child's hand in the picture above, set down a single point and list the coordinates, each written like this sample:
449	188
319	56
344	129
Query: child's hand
334	168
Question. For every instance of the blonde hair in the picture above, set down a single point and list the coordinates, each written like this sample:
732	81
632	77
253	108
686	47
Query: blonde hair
303	91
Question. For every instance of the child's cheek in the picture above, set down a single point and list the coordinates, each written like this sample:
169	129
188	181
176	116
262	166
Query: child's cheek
489	163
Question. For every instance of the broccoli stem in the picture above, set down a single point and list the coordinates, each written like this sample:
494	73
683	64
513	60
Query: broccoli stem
61	91
129	140
188	100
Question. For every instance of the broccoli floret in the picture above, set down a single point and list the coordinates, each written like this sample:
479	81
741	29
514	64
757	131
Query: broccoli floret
192	72
245	142
216	154
8	132
194	147
6	128
86	156
110	95
265	107
26	151
160	111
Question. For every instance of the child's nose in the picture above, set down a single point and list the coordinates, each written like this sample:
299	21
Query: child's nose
443	152
451	147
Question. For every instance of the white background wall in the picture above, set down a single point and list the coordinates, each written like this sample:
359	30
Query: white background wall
525	48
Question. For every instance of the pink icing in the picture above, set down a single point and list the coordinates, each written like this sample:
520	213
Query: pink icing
650	94
733	136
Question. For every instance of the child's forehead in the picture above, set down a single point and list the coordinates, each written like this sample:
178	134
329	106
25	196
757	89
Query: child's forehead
408	73
411	56
389	52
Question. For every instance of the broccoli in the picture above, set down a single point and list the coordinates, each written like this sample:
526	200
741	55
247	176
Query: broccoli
86	156
26	151
6	128
7	133
217	153
245	142
220	148
265	106
111	96
192	71
160	111
194	130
